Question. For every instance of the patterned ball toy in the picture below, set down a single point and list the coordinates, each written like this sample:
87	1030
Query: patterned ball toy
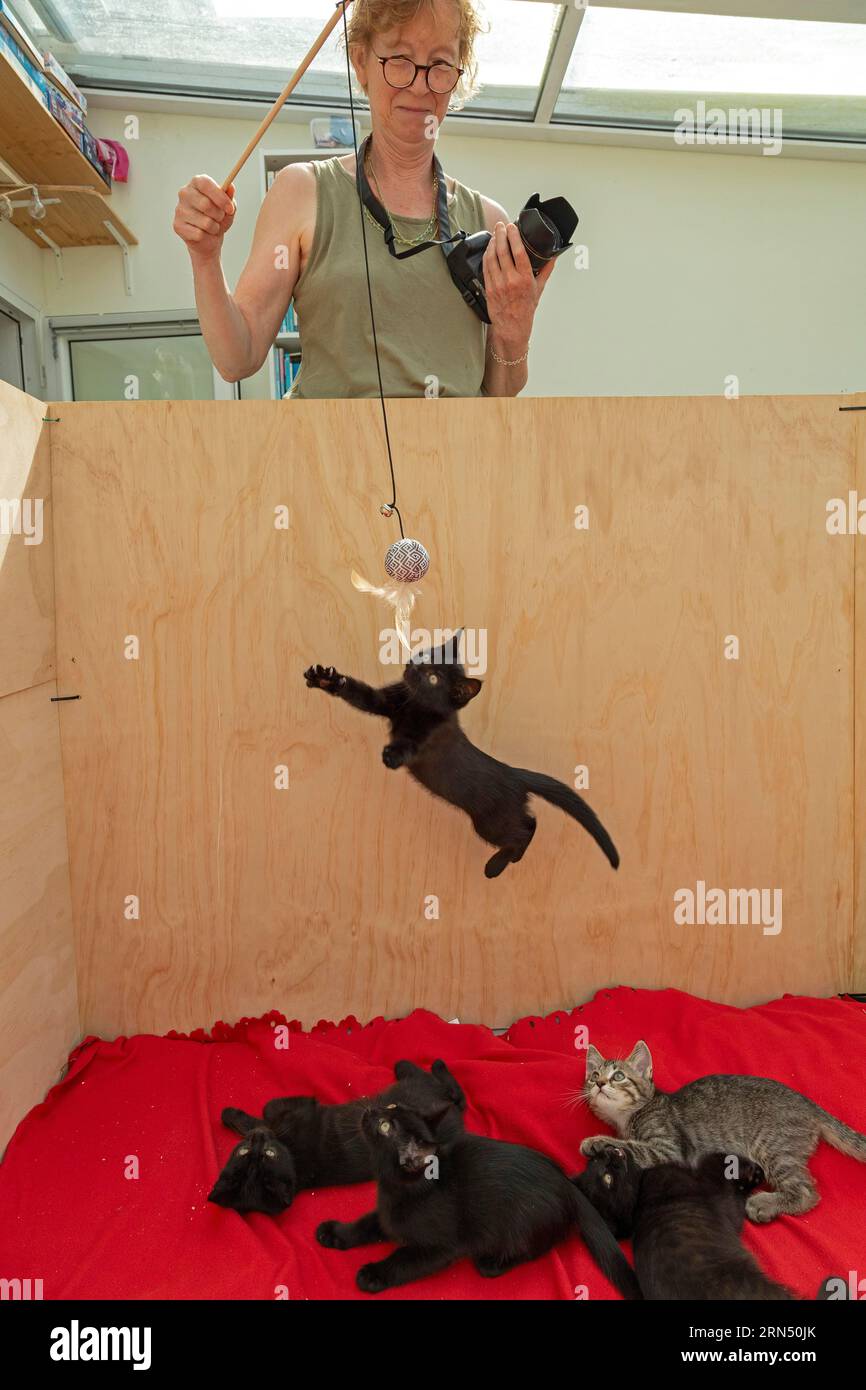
407	561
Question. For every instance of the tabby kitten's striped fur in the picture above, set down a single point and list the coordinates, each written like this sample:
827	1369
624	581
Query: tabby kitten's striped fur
765	1121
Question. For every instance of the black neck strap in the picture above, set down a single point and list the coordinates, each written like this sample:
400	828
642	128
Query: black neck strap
376	210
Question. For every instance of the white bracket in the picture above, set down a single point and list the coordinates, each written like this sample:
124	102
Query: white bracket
124	251
58	254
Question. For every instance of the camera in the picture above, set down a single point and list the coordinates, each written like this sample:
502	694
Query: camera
546	229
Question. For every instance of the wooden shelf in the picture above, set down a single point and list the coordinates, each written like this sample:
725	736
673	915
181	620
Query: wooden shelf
77	220
37	149
33	143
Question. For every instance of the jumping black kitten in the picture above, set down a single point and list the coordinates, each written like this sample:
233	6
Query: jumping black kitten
299	1144
463	1196
685	1225
427	739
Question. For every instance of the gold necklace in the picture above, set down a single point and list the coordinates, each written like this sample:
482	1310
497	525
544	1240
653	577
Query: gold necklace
432	222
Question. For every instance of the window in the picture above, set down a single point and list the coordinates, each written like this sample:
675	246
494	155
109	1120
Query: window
249	48
148	369
145	357
637	67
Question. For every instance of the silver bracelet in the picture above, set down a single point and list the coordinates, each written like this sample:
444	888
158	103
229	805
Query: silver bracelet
503	363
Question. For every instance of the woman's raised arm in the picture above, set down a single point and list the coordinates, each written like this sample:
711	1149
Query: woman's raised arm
240	329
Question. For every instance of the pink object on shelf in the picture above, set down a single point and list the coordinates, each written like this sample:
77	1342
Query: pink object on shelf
116	159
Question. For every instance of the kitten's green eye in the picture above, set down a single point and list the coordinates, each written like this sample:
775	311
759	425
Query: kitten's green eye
618	1076
594	1076
384	1126
244	1150
270	1153
607	1180
433	678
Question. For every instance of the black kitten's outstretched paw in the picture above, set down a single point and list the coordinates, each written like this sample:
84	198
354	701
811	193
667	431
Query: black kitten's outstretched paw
329	1233
393	755
370	1279
324	678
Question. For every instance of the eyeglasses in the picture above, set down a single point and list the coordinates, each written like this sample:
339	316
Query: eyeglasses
441	77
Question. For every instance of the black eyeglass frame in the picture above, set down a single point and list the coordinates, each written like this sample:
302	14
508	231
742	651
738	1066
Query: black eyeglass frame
419	67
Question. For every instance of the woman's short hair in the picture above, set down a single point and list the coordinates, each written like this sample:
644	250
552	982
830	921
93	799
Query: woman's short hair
371	17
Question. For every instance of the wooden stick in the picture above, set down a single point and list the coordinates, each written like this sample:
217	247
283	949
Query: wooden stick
287	91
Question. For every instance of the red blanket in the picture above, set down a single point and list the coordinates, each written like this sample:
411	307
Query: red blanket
103	1187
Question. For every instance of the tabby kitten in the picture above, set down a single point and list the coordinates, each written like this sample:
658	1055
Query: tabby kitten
445	1199
766	1121
299	1144
426	738
685	1224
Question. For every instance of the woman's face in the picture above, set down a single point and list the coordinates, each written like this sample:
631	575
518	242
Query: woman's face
406	111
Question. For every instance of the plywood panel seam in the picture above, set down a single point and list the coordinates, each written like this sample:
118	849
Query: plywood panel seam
858	901
51	410
49	680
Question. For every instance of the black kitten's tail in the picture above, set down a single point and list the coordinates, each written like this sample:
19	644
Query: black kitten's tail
567	800
602	1246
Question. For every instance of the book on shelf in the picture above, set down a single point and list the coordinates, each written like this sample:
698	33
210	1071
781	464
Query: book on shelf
290	322
287	364
15	28
23	66
57	74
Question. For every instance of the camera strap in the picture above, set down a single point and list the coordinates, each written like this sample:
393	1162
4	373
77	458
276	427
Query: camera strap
378	213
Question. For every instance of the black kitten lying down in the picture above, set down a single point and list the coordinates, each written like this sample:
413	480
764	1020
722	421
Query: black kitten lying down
299	1144
446	1198
427	739
685	1225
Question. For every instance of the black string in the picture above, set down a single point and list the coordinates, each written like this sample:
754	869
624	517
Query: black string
393	502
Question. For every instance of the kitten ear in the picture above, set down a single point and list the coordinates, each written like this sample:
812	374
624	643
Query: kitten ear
450	1085
224	1191
469	689
405	1069
594	1059
640	1060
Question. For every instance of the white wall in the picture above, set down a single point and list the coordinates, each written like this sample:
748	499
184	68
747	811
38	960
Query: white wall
22	275
702	264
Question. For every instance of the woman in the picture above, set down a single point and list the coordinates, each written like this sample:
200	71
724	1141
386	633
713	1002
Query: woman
412	58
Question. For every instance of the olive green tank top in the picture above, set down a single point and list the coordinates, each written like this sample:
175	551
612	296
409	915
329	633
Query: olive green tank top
430	342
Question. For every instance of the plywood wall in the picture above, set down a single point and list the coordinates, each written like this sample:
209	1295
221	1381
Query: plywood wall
202	891
856	421
26	561
38	1003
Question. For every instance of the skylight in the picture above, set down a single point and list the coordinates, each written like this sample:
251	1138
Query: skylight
635	65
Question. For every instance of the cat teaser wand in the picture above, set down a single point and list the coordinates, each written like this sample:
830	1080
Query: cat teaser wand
288	89
407	560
